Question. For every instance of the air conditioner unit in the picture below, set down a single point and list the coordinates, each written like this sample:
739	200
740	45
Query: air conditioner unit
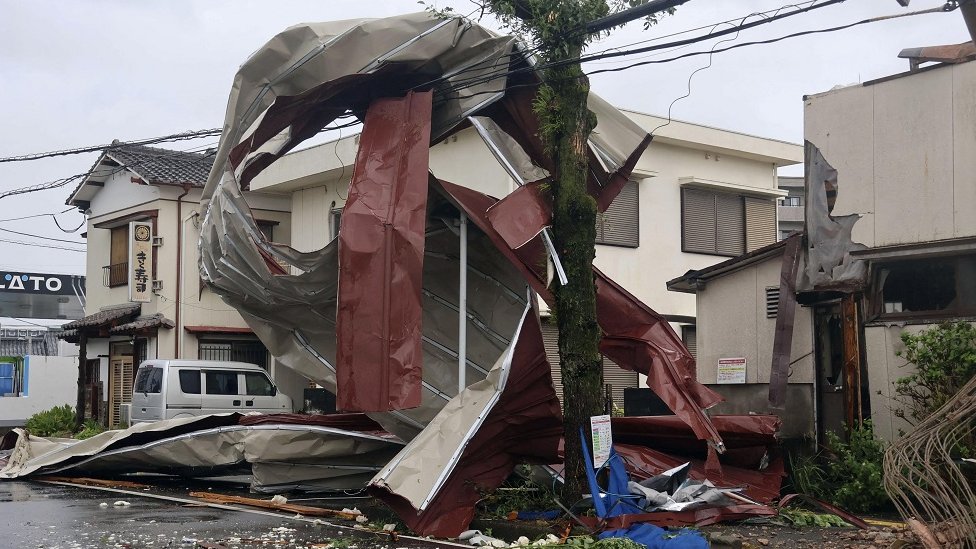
157	285
125	414
157	241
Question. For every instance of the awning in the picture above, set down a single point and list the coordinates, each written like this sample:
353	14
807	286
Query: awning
142	324
218	330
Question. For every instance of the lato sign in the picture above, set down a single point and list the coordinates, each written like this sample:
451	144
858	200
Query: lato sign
35	283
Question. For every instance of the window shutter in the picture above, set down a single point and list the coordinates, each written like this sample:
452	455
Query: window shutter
620	224
729	218
689	336
760	223
550	338
698	214
613	375
619	379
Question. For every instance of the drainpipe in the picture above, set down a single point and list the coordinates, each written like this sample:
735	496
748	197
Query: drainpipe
178	341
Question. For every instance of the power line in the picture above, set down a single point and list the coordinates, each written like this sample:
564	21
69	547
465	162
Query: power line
39	236
52	214
39	245
182	136
64	181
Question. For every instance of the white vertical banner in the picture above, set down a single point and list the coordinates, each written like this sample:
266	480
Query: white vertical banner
140	261
602	440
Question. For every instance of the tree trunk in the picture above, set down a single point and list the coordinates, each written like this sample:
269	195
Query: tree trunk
574	224
82	364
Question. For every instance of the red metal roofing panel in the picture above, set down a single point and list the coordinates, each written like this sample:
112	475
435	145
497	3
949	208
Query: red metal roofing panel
381	250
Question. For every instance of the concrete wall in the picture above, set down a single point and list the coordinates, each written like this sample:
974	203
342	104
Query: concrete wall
732	323
885	367
905	153
51	381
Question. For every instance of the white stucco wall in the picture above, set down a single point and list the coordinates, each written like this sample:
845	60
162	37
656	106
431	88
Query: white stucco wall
51	381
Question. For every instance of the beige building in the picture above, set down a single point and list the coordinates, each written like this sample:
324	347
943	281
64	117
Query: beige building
179	317
890	247
698	195
905	153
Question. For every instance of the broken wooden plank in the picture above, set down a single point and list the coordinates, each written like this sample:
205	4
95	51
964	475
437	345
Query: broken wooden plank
85	481
269	504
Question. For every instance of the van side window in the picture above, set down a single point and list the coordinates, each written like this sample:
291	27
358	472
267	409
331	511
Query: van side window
190	381
221	383
258	384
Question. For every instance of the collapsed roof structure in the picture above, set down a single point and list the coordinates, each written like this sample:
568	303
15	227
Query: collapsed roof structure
413	314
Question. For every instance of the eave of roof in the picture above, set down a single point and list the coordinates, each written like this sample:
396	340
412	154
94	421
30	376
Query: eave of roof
691	281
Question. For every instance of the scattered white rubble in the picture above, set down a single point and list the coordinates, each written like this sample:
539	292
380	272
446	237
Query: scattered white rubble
121	503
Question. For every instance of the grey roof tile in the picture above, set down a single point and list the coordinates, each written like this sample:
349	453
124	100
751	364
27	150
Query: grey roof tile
163	166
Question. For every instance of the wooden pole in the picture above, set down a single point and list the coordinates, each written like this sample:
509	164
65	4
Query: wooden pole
82	363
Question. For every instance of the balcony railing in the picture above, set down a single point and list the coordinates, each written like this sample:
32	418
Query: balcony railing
116	274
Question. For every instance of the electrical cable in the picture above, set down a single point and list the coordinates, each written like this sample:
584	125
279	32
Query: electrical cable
182	136
116	169
39	245
41	237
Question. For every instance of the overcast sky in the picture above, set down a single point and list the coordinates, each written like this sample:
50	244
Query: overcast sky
77	73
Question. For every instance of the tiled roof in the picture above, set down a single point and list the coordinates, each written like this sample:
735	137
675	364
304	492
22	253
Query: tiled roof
162	166
153	321
46	345
104	316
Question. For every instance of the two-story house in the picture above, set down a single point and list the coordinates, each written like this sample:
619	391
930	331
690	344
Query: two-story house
697	195
143	196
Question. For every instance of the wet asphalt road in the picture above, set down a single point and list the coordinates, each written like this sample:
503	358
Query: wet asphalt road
43	515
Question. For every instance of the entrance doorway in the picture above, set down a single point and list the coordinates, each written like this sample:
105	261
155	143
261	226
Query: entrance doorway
119	381
841	383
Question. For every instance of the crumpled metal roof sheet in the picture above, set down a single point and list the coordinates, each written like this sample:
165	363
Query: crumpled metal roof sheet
381	256
308	76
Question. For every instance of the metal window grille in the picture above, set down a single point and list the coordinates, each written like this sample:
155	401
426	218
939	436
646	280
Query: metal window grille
250	351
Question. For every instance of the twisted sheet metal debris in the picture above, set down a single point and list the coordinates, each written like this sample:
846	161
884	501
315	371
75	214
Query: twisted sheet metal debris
310	75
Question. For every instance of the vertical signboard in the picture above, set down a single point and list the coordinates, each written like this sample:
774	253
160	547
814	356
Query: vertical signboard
140	261
602	440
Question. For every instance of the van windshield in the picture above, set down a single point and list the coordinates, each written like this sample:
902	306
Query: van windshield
258	384
149	380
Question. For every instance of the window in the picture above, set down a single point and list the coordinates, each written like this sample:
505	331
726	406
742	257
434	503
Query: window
258	385
932	287
116	273
8	379
619	225
243	350
725	223
190	382
221	383
793	201
267	229
335	218
689	336
148	380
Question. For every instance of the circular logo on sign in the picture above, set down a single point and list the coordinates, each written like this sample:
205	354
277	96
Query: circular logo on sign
142	233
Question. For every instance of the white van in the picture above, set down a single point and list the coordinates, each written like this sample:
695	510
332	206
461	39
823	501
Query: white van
166	389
